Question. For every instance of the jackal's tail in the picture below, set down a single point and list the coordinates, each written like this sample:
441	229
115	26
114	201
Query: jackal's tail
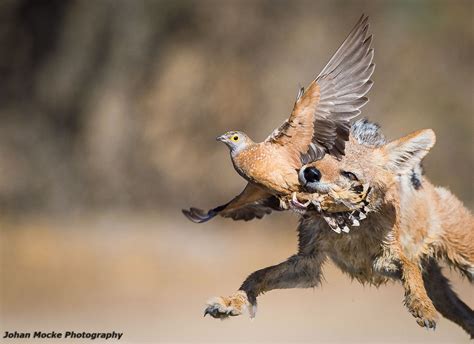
445	299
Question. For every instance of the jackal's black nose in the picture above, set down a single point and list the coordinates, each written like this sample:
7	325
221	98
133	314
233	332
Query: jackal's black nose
312	174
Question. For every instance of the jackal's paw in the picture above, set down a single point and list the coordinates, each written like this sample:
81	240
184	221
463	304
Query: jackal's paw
425	316
223	307
428	323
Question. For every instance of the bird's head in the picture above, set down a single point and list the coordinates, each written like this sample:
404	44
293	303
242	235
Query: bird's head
235	140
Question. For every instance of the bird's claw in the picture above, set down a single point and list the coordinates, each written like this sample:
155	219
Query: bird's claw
297	204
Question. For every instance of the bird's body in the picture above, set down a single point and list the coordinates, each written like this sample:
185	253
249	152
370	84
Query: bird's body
319	124
256	163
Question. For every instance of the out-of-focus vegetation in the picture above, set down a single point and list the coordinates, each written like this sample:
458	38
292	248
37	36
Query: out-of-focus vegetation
107	104
108	114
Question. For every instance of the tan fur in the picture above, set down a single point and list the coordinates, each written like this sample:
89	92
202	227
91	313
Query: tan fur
407	231
428	223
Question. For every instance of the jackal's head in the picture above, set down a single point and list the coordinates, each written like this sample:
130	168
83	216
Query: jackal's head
370	167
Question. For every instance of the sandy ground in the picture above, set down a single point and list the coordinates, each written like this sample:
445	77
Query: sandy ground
149	276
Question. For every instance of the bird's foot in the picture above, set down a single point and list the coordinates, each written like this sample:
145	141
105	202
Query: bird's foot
302	202
224	307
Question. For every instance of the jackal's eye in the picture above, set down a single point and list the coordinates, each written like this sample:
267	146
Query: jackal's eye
349	175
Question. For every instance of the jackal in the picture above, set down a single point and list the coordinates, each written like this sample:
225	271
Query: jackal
405	227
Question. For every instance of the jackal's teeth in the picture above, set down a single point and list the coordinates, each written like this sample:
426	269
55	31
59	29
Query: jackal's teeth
332	224
355	222
346	229
362	216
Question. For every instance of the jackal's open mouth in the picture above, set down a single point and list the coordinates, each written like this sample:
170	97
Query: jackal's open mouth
340	208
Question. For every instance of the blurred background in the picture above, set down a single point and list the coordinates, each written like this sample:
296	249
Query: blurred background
108	116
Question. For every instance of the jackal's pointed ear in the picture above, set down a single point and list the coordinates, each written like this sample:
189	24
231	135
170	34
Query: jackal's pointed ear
407	152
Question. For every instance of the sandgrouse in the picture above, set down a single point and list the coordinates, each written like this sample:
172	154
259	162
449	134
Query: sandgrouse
319	124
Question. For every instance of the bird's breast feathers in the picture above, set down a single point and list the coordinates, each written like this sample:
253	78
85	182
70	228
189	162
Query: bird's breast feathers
269	167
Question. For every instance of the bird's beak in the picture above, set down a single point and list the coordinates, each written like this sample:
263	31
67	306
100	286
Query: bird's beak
221	138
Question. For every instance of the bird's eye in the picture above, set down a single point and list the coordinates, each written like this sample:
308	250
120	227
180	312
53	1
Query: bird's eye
235	138
349	175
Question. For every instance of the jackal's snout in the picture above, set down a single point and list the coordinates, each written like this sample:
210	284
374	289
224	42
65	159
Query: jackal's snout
310	179
308	174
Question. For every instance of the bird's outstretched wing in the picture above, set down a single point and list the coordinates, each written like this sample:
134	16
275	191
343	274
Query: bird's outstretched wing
251	203
320	120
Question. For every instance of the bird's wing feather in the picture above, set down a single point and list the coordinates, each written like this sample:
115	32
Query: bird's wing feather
320	120
251	203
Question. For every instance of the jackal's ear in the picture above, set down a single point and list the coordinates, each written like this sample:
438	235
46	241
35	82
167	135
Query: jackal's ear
405	153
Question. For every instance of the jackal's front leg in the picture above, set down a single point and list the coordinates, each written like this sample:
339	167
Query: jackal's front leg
416	297
297	272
